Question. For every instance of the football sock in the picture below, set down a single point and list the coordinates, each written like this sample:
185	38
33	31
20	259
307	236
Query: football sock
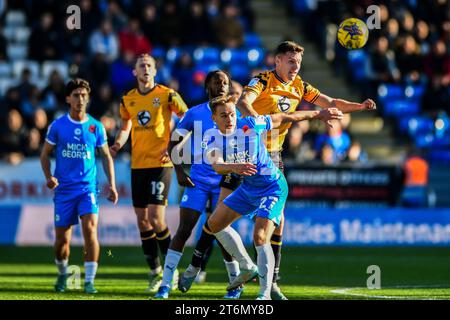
232	269
276	242
206	257
62	266
150	248
163	238
265	269
90	269
232	242
191	271
225	253
205	241
170	265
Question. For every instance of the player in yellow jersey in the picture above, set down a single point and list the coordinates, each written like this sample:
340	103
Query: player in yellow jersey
146	112
281	90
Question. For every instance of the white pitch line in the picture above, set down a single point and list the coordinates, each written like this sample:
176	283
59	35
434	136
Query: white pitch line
345	291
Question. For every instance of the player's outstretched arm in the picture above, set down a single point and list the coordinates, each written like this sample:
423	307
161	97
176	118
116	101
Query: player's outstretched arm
325	115
121	137
108	167
47	150
345	106
244	104
221	167
183	178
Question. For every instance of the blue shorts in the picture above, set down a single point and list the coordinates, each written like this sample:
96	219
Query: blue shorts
69	207
267	202
197	197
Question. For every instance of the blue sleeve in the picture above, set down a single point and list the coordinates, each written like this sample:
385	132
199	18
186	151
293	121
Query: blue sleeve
259	124
186	122
52	135
102	138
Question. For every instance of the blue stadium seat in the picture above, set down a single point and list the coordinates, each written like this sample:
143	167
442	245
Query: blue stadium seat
441	156
158	52
209	55
356	61
233	56
390	92
173	54
239	72
49	66
416	125
415	92
401	107
252	39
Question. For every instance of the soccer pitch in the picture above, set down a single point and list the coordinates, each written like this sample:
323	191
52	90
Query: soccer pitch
307	273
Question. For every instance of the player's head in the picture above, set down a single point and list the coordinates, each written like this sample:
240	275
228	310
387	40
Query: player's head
236	90
217	83
224	113
77	94
145	68
288	59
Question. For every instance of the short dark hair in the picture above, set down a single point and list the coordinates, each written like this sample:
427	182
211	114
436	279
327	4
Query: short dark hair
212	74
288	46
220	101
75	84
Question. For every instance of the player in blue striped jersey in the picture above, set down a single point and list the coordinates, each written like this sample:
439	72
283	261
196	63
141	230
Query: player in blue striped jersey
238	147
200	186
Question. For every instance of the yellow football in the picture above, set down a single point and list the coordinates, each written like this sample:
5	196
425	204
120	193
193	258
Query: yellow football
352	33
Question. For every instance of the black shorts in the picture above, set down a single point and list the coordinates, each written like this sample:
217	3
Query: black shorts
150	186
232	181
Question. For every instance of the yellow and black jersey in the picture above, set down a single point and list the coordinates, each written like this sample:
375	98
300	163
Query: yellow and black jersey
274	96
151	115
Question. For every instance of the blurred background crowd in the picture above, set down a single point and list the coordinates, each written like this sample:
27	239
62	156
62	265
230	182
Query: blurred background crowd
405	66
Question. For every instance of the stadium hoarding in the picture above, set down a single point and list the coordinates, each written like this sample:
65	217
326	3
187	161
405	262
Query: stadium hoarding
25	184
33	225
344	185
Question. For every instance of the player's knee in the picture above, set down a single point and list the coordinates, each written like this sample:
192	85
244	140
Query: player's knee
144	224
260	237
183	233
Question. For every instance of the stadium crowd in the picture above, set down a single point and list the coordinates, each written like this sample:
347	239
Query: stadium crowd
405	64
38	54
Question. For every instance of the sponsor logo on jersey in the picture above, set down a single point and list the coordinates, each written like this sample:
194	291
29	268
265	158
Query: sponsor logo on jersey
284	104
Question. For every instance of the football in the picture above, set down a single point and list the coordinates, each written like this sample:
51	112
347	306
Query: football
353	33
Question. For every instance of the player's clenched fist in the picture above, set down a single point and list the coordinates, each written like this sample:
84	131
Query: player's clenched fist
52	183
114	149
368	104
326	115
113	195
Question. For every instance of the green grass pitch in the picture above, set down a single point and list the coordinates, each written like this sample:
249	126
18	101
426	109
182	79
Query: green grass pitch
306	272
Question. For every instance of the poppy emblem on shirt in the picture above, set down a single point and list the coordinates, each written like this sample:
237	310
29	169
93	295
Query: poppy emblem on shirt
245	128
92	128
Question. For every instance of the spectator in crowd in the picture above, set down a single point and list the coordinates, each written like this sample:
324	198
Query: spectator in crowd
299	143
89	16
44	42
409	61
99	70
381	65
422	35
164	75
150	24
171	26
356	154
229	31
104	41
392	33
40	123
53	96
236	90
33	144
437	69
122	78
183	71
117	17
132	39
102	101
13	138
